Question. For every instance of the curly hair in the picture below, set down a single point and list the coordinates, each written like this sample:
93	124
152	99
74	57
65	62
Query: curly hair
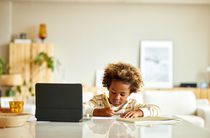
123	72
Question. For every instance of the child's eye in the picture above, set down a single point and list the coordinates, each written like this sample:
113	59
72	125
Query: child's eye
122	94
113	92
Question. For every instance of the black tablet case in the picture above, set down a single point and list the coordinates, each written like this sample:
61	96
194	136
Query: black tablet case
58	102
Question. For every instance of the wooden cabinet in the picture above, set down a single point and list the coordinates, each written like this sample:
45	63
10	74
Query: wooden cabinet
21	58
41	73
199	92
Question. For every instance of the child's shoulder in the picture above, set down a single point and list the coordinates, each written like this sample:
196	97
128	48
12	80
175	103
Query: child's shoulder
99	96
131	101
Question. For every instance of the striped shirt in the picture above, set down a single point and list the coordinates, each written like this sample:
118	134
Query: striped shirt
99	102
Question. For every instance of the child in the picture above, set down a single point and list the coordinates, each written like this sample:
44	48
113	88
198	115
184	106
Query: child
121	80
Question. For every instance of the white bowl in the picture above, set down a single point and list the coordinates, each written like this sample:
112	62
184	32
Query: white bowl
13	119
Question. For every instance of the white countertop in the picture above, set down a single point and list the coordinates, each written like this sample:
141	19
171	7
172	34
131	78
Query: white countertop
103	128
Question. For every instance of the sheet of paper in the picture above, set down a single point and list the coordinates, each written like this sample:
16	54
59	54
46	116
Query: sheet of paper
96	117
150	120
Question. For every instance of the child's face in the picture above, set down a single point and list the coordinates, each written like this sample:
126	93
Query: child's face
118	92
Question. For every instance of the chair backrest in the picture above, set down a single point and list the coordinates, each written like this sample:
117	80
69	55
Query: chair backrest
172	102
86	96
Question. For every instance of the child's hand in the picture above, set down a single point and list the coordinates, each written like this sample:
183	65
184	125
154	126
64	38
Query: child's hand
103	112
132	114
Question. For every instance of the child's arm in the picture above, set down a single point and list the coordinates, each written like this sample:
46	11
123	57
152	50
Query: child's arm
107	111
132	114
139	110
97	107
148	109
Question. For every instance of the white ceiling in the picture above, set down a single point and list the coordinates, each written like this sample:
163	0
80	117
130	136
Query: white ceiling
122	1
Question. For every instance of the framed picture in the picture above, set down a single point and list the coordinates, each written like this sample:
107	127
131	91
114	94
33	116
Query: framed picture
156	64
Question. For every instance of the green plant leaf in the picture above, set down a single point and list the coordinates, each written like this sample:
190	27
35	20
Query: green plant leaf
10	92
18	88
50	64
42	58
3	67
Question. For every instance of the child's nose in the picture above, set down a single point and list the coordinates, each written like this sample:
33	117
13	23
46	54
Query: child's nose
117	97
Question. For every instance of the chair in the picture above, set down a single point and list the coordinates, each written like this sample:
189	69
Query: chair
180	103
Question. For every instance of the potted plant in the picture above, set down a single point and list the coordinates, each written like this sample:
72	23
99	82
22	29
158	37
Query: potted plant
8	80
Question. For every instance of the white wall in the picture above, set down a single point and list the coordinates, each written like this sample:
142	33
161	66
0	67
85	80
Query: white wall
5	28
88	36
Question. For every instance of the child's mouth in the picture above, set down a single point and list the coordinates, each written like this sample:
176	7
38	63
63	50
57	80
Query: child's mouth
116	102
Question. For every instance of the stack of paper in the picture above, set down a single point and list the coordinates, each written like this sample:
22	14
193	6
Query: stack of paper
157	120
